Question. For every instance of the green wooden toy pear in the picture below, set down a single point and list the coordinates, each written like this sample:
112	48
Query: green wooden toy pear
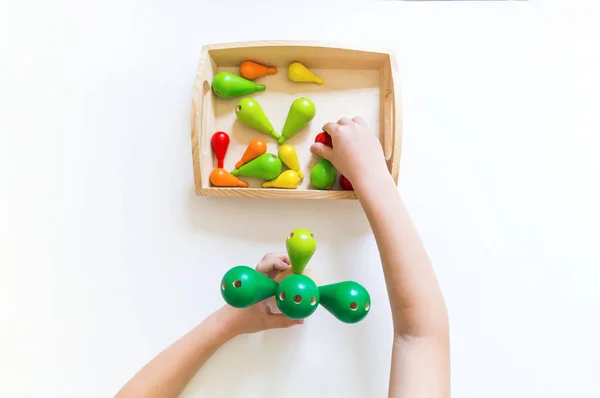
249	112
300	245
243	286
228	85
301	112
323	174
267	167
297	296
347	301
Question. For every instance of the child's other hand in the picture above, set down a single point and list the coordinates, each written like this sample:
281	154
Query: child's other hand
356	152
257	318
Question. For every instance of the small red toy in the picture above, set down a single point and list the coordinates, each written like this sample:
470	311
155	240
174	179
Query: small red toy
345	183
220	143
324	138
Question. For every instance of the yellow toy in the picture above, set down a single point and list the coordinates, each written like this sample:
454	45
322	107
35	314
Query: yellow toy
289	157
300	74
288	179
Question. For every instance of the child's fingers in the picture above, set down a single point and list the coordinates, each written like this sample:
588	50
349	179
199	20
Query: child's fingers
321	150
282	256
281	265
271	263
331	127
344	121
358	120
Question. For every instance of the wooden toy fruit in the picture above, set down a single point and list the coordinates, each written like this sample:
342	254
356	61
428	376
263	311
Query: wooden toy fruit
256	148
271	301
301	112
220	143
253	70
266	167
243	286
297	296
293	292
346	184
249	112
288	179
300	74
301	246
324	138
347	301
228	85
222	178
289	157
323	174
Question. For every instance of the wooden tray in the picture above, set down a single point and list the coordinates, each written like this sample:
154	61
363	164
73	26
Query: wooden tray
358	82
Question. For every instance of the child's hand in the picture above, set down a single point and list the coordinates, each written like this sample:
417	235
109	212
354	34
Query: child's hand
356	151
257	318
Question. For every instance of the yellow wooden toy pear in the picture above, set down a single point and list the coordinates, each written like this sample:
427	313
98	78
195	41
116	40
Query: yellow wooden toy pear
288	179
289	157
301	74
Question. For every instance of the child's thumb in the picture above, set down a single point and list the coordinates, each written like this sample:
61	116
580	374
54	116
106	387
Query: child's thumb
321	150
280	321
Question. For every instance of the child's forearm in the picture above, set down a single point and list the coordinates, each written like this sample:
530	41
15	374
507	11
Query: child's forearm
168	374
416	300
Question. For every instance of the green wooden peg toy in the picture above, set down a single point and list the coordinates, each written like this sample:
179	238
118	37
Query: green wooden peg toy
228	85
243	286
300	245
297	296
301	112
267	166
347	301
323	174
249	112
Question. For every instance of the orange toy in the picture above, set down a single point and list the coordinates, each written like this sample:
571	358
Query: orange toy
221	178
251	70
256	148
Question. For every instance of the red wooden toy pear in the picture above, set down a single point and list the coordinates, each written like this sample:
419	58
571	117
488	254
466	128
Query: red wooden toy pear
222	178
346	184
220	143
324	138
253	70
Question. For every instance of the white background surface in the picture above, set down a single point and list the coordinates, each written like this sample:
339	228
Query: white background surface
107	256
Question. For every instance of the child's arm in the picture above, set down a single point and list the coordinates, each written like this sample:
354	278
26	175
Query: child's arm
168	374
420	356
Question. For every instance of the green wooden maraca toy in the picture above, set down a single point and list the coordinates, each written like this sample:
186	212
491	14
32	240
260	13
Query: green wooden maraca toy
267	166
228	85
249	112
300	245
323	174
301	112
348	301
297	295
243	286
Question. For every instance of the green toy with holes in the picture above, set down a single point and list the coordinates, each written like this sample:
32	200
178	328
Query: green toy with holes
297	295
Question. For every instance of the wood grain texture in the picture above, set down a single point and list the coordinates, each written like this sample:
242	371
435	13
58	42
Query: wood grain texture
358	81
276	193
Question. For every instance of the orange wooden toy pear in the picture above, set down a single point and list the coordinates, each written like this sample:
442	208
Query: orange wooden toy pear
251	70
222	178
256	148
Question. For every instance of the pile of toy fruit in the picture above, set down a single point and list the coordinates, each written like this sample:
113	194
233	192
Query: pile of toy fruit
256	162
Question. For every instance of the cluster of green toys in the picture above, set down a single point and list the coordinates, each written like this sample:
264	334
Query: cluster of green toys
296	294
256	162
